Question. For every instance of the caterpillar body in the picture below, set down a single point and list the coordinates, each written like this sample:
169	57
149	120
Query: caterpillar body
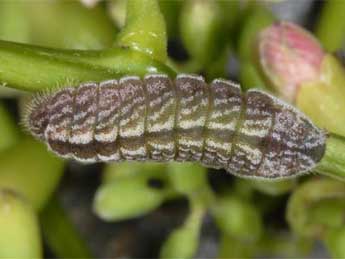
250	134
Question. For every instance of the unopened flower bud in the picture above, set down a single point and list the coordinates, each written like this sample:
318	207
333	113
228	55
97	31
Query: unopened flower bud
289	56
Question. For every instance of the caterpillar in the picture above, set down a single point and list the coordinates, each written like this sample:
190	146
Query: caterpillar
252	134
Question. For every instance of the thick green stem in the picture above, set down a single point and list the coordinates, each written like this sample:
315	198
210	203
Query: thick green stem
145	29
143	47
61	235
333	162
36	68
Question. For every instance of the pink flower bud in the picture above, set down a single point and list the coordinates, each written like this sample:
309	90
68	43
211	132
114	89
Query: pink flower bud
289	56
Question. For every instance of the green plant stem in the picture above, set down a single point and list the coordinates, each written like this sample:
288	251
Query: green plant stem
331	27
61	235
145	29
142	49
333	162
34	68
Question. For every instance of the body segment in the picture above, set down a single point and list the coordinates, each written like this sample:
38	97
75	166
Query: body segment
156	118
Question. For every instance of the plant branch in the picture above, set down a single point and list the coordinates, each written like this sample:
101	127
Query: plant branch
333	162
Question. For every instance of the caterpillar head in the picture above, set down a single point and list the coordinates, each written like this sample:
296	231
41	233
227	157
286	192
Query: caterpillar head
37	117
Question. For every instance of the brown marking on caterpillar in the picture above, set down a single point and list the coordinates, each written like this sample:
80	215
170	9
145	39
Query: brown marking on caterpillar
251	134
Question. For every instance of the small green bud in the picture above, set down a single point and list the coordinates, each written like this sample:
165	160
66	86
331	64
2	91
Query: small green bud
187	178
238	218
126	198
20	236
183	242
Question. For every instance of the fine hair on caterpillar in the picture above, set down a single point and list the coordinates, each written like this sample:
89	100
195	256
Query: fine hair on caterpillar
252	134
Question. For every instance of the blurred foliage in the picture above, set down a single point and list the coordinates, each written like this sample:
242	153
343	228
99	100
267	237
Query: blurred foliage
80	44
29	169
183	241
205	27
330	27
65	24
20	237
60	233
8	130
